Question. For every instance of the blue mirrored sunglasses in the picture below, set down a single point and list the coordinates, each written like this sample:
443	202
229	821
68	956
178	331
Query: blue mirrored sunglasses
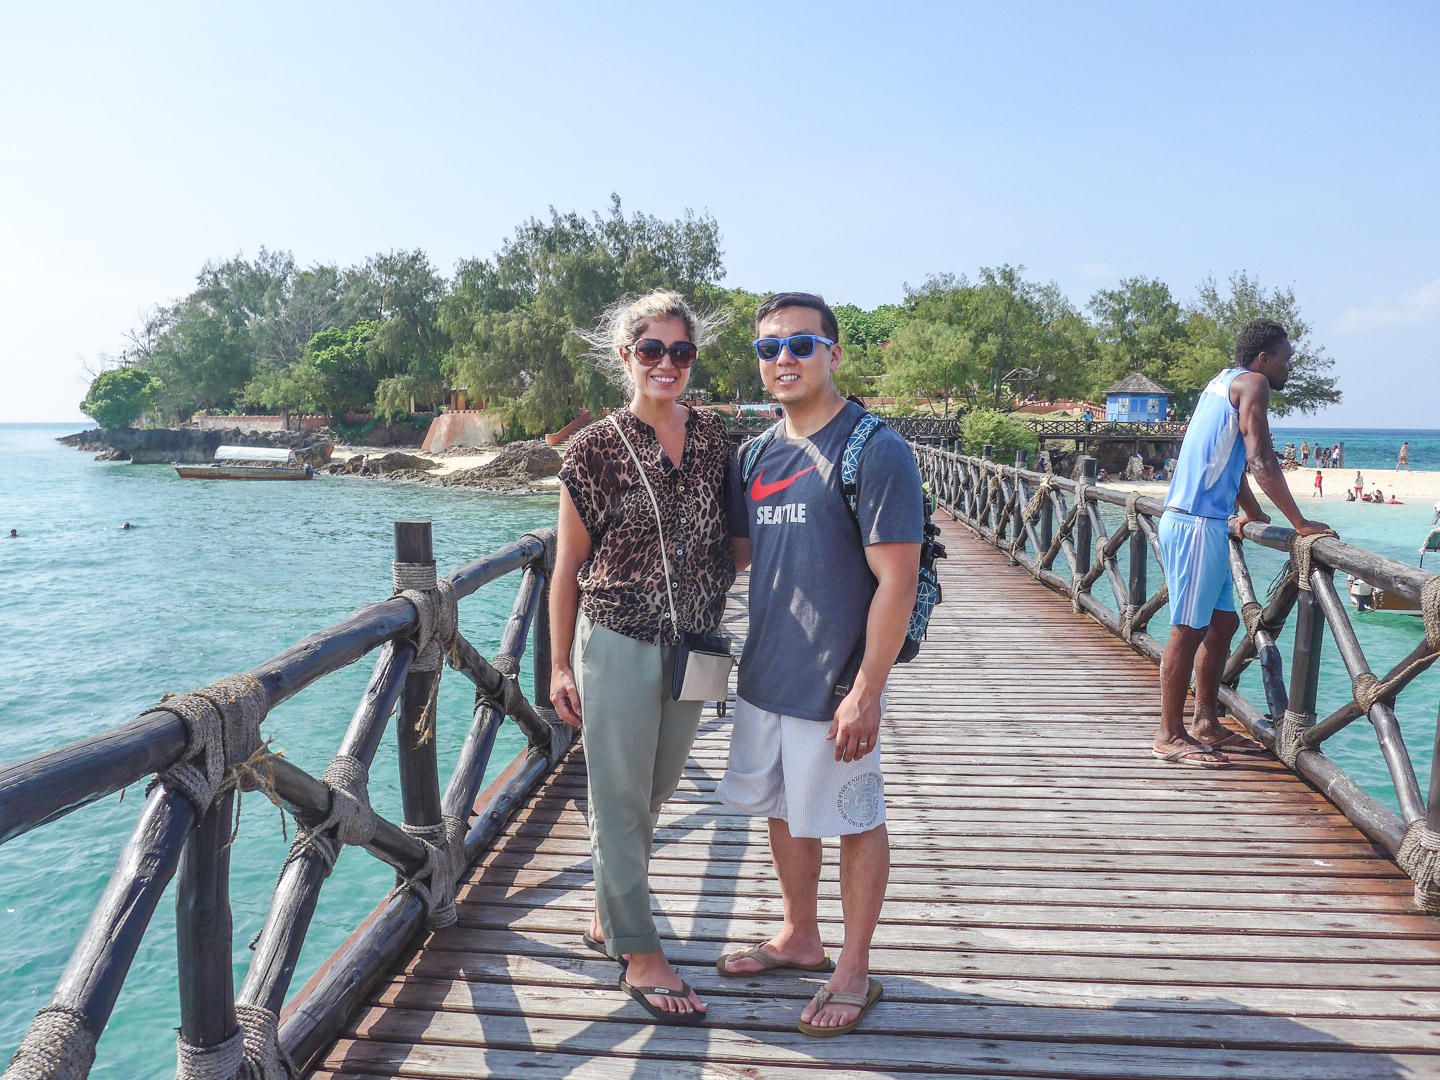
800	345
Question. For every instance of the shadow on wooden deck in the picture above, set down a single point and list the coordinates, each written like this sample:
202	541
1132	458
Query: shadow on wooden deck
1060	904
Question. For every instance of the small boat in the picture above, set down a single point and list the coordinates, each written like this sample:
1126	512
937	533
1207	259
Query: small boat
267	463
1432	540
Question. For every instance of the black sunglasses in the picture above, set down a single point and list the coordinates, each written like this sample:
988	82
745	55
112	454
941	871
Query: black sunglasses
800	346
650	351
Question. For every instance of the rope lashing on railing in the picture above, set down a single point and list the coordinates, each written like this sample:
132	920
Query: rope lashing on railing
444	863
1081	490
507	665
1132	512
1251	614
58	1046
252	1053
222	723
1302	557
350	821
1030	515
1419	857
435	609
1289	733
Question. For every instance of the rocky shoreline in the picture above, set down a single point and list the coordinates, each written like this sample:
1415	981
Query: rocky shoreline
521	468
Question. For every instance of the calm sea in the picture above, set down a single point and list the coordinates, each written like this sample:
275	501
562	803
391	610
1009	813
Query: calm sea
100	622
1367	448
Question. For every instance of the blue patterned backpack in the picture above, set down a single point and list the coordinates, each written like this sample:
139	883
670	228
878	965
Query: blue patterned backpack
927	593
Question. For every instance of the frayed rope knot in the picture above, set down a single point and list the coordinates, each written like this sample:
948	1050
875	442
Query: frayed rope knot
222	723
506	665
445	860
436	611
1290	734
1419	856
1367	690
350	821
1127	622
58	1046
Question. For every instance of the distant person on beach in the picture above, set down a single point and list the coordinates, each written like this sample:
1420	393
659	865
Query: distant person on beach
1349	495
643	555
1319	492
829	610
1404	460
1229	427
1335	461
1359	484
1305	452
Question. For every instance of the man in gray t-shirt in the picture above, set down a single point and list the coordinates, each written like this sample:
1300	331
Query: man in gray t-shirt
826	584
810	586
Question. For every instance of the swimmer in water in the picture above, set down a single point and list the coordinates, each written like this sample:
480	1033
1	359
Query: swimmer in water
14	534
127	525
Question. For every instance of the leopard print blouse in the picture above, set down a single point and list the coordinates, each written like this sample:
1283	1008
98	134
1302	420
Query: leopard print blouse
622	584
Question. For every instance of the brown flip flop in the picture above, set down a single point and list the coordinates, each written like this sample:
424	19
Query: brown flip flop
866	1001
768	962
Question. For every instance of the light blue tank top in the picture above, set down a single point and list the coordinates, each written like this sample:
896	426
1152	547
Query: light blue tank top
1211	466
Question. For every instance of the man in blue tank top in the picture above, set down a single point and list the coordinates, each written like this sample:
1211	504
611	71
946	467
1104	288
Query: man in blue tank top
1230	426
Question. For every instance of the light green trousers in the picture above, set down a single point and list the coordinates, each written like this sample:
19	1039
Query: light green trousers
637	741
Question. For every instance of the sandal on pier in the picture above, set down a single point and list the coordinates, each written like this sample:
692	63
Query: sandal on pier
665	1016
1234	742
866	1001
595	944
768	962
1195	757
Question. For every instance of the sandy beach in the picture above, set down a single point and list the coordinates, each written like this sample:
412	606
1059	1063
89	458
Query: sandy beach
444	463
1408	487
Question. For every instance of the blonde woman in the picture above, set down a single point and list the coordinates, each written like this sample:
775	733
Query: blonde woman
612	632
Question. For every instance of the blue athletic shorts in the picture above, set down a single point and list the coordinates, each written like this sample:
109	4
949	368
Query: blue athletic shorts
1196	556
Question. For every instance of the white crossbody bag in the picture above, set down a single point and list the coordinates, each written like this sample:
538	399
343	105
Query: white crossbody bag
702	661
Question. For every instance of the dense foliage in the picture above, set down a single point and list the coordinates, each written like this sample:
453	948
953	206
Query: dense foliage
118	398
1002	432
393	336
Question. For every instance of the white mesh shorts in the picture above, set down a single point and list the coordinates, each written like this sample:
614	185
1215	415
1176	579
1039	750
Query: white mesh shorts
785	767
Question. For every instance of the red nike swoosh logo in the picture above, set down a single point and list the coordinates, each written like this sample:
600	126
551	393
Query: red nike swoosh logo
760	490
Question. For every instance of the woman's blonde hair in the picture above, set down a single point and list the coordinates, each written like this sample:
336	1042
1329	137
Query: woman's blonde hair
625	320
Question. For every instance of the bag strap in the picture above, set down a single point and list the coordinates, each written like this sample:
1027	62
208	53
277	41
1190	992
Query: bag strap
753	452
655	504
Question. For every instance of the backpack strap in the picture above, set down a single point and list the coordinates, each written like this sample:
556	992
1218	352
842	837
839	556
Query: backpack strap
866	426
750	456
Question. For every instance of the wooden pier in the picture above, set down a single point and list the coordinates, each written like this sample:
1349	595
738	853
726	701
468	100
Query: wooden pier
1061	905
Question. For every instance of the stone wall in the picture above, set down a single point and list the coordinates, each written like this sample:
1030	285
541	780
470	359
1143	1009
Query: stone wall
258	423
464	427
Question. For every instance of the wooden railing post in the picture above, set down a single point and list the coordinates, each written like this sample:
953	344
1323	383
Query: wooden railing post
1138	590
203	930
1083	532
1304	677
541	633
419	770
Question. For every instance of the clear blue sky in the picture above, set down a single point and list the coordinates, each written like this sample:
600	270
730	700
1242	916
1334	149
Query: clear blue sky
843	148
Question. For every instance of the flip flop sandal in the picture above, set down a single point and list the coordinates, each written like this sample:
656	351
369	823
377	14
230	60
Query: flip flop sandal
768	962
866	1001
1195	758
1235	742
597	945
664	1016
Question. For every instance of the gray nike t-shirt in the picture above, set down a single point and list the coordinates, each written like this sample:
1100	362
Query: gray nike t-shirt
810	586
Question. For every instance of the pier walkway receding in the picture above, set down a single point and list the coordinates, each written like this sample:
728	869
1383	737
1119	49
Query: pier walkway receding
1060	905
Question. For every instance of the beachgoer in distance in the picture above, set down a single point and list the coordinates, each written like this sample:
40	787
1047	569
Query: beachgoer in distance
1359	484
1319	492
805	748
1305	453
127	525
1228	428
1335	461
1403	462
612	635
14	534
1349	495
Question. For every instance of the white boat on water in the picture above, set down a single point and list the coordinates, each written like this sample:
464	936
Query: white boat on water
1365	597
248	463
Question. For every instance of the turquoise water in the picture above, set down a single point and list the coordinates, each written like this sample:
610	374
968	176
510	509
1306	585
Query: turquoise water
215	577
1368	448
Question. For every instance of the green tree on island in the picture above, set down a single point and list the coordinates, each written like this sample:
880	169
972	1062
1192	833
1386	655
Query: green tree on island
118	398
